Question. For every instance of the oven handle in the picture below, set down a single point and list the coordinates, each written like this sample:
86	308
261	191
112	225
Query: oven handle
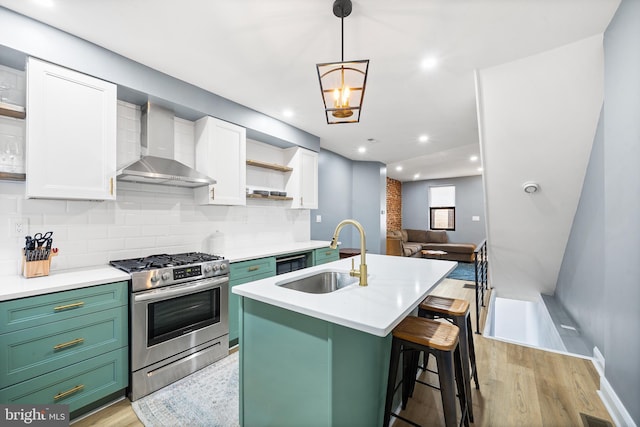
172	291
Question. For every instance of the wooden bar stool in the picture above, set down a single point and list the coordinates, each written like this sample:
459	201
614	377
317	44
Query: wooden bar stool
457	312
412	336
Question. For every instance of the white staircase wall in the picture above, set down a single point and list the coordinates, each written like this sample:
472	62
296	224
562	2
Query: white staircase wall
537	118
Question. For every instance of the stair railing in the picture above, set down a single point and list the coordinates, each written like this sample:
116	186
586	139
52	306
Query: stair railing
482	278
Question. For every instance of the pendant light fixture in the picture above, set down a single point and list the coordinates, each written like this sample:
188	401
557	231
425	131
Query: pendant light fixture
342	83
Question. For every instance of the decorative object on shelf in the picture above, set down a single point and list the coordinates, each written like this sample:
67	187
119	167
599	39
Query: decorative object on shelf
342	84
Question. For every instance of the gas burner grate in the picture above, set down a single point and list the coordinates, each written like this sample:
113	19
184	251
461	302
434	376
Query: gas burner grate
163	260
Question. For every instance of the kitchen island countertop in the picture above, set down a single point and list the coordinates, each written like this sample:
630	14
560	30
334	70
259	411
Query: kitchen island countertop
13	287
396	286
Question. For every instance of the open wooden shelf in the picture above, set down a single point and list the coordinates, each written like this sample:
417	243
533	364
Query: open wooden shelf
271	166
10	110
258	196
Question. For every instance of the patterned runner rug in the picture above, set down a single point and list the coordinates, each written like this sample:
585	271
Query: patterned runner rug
206	398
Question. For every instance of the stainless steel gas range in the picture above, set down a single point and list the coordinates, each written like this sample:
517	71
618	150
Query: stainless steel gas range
179	317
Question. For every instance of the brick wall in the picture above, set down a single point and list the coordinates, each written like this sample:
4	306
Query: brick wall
394	204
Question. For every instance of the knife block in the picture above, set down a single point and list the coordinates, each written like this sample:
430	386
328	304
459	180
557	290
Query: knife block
36	268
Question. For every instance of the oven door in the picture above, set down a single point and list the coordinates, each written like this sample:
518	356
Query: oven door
171	320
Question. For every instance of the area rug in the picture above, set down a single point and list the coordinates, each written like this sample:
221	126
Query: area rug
206	398
464	271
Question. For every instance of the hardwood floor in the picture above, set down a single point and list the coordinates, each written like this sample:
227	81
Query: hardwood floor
519	386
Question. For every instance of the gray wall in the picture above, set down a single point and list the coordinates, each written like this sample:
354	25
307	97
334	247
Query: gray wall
334	197
469	202
351	189
368	206
615	268
136	82
580	286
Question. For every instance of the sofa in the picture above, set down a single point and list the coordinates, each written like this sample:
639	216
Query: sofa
411	243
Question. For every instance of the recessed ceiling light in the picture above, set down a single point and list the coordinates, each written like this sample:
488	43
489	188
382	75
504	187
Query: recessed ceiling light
362	149
473	158
287	113
429	63
480	169
416	176
423	138
398	168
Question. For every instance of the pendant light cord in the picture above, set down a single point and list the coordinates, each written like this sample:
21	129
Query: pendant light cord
342	24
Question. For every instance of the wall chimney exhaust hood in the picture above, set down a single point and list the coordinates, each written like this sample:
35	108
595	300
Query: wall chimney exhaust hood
157	165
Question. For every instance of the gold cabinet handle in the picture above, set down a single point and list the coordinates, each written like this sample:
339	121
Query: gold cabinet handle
69	306
64	394
213	193
68	344
328	252
111	186
254	268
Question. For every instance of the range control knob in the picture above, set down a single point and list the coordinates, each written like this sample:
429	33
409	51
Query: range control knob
223	266
165	275
155	278
216	267
207	268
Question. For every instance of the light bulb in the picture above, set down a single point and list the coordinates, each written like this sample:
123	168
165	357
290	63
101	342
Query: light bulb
345	96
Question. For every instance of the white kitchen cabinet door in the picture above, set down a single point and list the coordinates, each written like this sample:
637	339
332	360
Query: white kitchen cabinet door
221	153
303	183
71	134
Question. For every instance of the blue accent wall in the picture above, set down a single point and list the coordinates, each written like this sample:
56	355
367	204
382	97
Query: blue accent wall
469	203
599	277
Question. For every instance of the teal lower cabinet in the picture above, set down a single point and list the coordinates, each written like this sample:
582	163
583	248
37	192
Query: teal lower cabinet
66	347
244	272
296	370
76	385
325	255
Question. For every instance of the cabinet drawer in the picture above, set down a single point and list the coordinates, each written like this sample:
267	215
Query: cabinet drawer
263	267
31	352
324	255
77	385
44	309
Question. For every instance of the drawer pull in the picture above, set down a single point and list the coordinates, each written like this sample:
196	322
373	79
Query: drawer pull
68	392
253	268
68	344
328	252
69	306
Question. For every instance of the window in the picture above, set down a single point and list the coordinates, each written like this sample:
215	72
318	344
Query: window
442	208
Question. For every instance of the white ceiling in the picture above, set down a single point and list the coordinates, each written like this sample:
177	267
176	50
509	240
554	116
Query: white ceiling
262	54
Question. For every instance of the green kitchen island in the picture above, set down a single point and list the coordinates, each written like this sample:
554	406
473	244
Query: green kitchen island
322	359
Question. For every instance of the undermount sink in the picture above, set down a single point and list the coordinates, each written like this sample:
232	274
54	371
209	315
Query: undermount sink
321	282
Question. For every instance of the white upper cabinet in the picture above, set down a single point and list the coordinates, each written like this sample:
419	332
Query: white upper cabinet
221	154
71	134
303	182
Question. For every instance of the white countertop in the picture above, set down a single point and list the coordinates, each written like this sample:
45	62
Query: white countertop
12	287
396	286
273	250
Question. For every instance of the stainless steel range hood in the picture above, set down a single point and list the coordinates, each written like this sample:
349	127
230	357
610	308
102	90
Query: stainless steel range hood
157	165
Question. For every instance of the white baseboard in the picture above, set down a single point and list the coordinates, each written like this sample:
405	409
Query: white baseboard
617	411
598	361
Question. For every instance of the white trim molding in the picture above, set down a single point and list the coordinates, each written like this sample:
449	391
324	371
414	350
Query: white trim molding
617	411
